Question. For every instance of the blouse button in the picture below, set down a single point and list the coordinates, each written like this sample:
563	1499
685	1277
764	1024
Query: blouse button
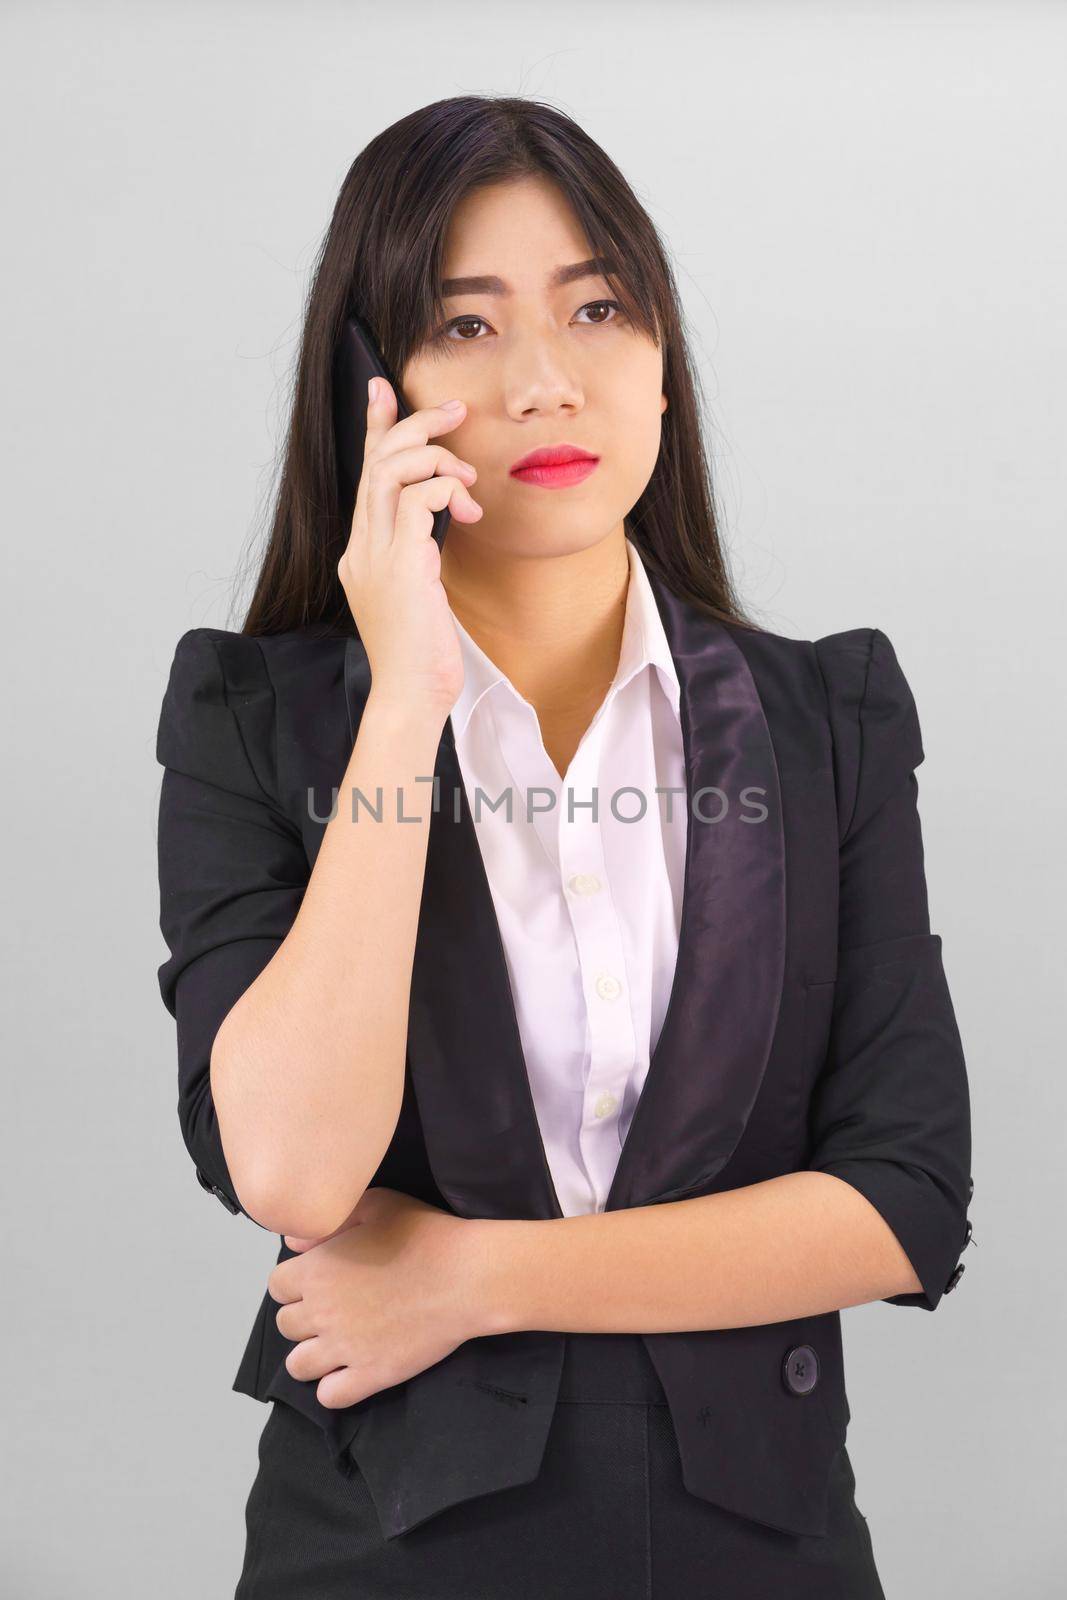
605	1105
607	987
584	883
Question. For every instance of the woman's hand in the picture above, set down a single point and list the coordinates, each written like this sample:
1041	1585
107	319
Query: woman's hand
391	568
391	1293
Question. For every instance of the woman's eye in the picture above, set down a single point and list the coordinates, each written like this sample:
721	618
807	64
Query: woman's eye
462	327
462	322
595	305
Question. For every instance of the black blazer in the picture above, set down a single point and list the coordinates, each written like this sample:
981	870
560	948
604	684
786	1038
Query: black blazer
809	1026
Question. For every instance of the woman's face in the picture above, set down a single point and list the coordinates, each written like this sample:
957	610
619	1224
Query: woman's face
538	363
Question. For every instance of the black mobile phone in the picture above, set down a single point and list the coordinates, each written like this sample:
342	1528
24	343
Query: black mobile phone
356	361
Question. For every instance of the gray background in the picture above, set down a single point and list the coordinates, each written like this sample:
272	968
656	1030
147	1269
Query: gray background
863	205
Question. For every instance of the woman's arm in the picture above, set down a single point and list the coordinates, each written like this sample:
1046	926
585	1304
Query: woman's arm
289	987
380	1302
291	996
307	1069
793	1246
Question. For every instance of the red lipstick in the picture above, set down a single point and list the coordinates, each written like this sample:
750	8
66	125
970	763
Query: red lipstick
555	466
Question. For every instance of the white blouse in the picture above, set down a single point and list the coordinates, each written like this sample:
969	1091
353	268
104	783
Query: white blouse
588	901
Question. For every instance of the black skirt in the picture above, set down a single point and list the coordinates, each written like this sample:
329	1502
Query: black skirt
607	1518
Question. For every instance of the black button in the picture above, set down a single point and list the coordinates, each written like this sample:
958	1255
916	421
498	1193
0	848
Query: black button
967	1236
970	1188
800	1369
220	1194
955	1278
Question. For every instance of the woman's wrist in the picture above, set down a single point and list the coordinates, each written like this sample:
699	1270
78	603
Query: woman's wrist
493	1252
407	714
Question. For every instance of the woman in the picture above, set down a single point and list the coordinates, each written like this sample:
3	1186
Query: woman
582	1112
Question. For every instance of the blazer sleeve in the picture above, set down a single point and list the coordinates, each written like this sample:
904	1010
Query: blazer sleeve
232	867
890	1111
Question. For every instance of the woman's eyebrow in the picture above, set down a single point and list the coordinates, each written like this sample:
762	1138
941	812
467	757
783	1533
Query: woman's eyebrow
489	283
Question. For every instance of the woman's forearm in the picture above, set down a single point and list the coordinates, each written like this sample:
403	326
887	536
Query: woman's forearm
307	1069
793	1246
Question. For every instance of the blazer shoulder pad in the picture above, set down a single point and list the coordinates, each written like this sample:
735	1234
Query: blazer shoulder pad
217	719
873	721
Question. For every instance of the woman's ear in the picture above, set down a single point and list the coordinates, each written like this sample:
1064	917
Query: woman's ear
663	404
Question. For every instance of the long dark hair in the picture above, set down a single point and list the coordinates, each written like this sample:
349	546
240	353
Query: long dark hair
382	256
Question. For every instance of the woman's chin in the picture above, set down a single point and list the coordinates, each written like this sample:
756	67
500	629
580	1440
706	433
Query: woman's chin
546	541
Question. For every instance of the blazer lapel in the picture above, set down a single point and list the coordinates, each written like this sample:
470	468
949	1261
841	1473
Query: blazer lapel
473	1090
465	1053
708	1065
